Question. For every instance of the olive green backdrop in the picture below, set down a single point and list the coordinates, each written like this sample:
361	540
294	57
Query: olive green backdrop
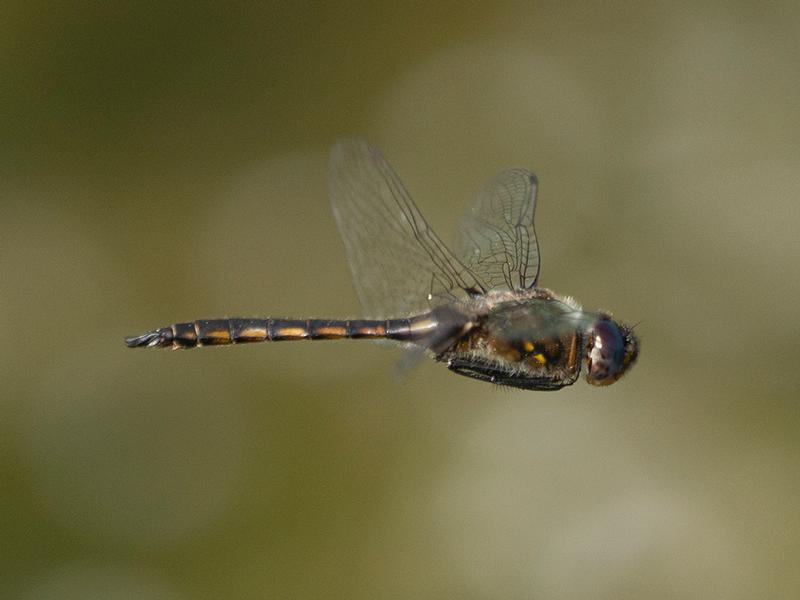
167	162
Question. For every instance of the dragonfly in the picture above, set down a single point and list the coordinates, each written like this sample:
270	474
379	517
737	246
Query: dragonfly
475	308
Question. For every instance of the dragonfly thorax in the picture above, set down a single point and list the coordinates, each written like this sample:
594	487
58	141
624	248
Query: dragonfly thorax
530	339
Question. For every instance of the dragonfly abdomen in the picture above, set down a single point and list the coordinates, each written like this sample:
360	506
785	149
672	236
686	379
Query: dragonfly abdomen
220	332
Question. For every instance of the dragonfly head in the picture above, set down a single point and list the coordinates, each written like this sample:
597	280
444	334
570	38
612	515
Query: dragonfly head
611	350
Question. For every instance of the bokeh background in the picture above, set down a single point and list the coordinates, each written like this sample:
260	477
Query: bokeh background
165	162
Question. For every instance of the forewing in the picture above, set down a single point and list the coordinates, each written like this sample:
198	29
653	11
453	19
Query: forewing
497	240
399	265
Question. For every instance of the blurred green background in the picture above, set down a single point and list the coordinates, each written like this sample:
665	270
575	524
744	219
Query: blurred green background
165	162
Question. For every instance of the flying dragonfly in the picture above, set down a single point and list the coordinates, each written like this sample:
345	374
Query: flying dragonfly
477	308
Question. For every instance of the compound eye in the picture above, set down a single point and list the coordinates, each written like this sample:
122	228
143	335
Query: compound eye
606	353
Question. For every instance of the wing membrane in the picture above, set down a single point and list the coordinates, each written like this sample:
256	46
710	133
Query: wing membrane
497	240
399	265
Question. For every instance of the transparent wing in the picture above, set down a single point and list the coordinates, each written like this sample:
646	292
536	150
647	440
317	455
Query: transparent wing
496	239
543	319
399	265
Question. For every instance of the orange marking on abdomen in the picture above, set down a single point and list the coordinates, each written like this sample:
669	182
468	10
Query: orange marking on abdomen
255	334
330	331
218	336
372	330
290	332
